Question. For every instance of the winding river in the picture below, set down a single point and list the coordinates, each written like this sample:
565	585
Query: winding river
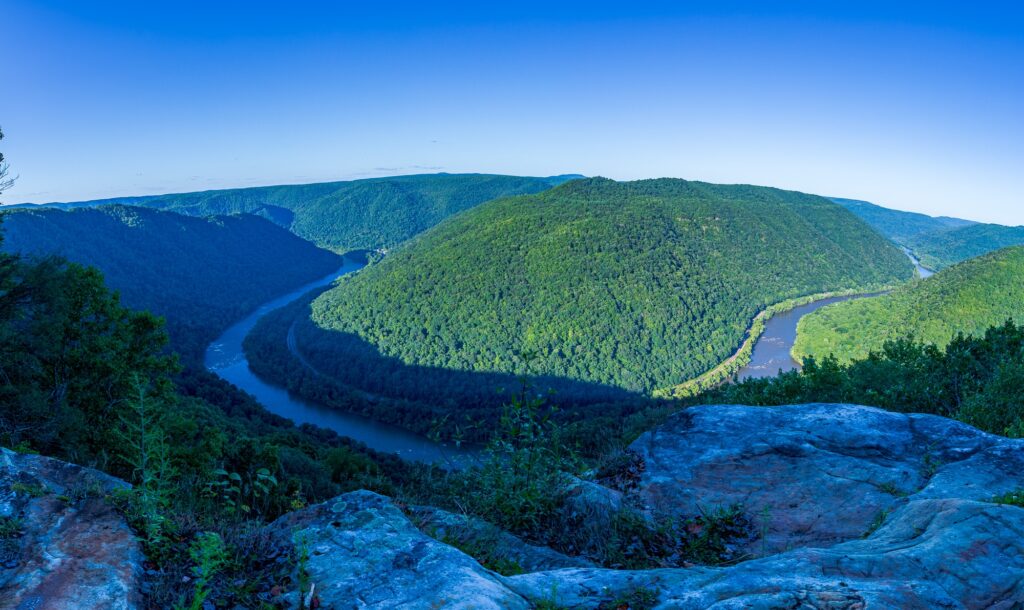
226	358
771	353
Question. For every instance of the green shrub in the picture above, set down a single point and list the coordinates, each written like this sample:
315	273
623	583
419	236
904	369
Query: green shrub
208	555
1013	498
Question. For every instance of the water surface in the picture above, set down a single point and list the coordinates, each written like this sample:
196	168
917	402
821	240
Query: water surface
771	353
226	358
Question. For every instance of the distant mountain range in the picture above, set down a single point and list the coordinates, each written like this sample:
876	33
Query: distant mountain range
365	214
939	241
202	274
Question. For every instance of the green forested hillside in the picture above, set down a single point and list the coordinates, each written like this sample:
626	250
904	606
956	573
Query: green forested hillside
974	378
635	285
938	241
898	225
940	249
201	274
354	215
968	298
84	379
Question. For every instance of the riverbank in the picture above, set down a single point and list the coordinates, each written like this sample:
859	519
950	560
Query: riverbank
226	358
742	357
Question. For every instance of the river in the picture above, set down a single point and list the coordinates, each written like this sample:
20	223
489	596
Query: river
922	271
771	353
226	358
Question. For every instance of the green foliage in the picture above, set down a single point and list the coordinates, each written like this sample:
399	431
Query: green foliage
358	215
69	353
727	369
208	555
967	298
10	527
1013	498
938	241
901	227
640	598
301	553
976	379
521	482
32	490
201	274
144	449
484	548
633	286
877	523
942	249
86	380
242	496
998	406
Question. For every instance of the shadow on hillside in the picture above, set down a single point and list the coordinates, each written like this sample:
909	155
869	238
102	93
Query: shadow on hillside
352	361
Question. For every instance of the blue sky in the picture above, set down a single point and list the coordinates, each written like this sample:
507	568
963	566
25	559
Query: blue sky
916	106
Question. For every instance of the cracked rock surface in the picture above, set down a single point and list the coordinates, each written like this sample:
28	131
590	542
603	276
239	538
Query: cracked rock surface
859	508
865	509
365	553
63	546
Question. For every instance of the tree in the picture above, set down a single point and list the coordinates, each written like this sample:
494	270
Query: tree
5	182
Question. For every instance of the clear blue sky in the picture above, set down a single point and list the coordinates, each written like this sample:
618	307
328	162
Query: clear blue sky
916	106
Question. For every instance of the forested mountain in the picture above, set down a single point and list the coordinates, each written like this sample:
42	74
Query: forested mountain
938	241
636	285
202	274
968	297
898	225
85	379
354	215
941	249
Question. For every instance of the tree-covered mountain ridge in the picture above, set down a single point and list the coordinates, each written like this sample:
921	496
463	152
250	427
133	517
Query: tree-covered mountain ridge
938	241
366	214
941	249
966	298
637	285
202	274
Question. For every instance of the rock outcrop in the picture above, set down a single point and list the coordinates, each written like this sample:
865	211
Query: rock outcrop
810	475
863	509
471	534
365	553
854	508
859	508
61	544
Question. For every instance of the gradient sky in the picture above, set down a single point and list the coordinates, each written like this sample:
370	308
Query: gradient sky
916	106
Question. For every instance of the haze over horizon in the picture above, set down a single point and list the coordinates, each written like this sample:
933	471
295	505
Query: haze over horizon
910	109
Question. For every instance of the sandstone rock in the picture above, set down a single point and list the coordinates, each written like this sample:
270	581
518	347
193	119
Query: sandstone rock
883	510
469	533
878	510
931	554
365	553
809	474
63	546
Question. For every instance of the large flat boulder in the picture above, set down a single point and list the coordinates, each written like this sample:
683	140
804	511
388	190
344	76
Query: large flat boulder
930	554
868	509
365	553
62	545
809	475
864	509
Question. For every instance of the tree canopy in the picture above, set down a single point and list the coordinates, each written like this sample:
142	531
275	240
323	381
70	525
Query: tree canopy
201	274
967	298
634	286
